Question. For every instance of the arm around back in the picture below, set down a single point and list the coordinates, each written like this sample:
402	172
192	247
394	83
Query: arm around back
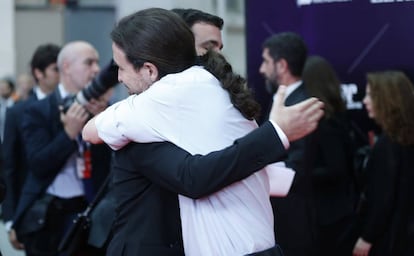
197	176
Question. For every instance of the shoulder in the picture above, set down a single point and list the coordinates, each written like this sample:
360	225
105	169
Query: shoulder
193	76
19	106
297	95
42	107
188	83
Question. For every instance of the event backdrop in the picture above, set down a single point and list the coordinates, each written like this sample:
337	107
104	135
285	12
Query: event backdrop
356	36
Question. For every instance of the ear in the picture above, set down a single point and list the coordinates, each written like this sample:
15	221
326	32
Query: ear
38	74
64	67
282	65
152	71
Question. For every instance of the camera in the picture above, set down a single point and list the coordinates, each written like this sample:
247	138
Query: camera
106	79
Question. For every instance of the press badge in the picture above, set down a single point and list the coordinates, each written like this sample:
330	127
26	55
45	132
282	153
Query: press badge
84	165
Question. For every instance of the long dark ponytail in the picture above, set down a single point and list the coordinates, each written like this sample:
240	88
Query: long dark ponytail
240	94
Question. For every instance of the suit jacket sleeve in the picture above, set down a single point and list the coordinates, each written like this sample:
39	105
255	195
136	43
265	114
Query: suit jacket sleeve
2	184
196	176
10	158
47	144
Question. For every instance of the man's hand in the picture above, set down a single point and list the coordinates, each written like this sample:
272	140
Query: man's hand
13	240
298	120
74	119
361	248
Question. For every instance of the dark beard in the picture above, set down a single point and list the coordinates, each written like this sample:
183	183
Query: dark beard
271	86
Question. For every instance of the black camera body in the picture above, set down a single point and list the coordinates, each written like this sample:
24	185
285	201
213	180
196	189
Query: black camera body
105	80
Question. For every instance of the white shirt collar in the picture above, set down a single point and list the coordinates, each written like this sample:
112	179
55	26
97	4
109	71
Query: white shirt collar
62	91
39	93
291	87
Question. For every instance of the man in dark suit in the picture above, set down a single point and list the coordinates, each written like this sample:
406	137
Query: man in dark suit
58	184
206	28
284	57
148	218
44	70
155	227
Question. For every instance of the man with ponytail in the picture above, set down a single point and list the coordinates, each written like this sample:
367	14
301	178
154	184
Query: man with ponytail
200	105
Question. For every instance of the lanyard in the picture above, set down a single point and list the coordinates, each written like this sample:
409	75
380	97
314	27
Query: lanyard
83	160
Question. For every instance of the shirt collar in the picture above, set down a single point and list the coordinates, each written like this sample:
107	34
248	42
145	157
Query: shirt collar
39	93
62	91
291	87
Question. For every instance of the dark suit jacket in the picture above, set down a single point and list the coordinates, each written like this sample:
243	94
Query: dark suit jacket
334	187
102	217
48	147
294	214
15	163
333	179
2	183
148	178
2	189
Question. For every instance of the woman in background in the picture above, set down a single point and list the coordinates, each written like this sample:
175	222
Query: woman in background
387	217
332	171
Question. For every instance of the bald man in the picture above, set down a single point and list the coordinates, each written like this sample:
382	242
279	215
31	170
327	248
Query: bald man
60	178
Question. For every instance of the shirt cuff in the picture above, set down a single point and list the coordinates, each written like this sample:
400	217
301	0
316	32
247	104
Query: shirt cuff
281	134
8	225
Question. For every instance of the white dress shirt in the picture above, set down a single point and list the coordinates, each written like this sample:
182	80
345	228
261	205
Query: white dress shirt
193	111
67	184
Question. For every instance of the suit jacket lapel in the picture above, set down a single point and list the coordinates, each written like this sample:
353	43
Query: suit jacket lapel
298	95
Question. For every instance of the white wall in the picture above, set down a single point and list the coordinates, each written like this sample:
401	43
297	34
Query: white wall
34	27
7	47
126	7
47	25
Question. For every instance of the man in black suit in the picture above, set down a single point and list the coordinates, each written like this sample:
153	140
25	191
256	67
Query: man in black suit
156	227
44	70
206	28
58	183
284	57
148	217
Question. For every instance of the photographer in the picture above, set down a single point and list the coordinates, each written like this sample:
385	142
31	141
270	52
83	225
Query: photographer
64	171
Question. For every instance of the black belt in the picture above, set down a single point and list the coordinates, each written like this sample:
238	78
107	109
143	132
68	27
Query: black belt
274	251
74	204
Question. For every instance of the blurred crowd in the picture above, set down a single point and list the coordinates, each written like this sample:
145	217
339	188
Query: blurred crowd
339	202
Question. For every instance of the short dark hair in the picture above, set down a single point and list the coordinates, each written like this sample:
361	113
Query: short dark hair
43	56
192	16
289	46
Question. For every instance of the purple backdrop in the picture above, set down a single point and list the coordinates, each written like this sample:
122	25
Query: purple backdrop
356	36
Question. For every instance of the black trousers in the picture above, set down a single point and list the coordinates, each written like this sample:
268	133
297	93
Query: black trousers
274	251
59	216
